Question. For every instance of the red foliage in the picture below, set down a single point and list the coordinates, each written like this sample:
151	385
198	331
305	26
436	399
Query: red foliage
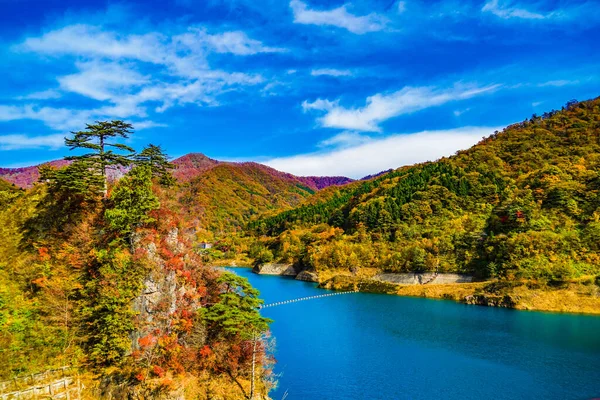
158	371
205	351
139	254
147	341
43	254
174	263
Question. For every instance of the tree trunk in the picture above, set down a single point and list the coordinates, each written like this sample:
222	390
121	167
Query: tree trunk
254	341
103	168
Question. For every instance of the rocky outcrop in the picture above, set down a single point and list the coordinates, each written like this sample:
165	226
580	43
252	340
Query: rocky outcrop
276	269
505	301
162	290
307	276
422	278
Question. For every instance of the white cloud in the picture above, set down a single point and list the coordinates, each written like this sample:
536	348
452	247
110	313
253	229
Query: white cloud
565	14
558	83
458	113
237	43
345	139
43	95
64	119
382	107
381	154
330	72
401	7
126	72
506	11
87	40
19	141
102	80
148	124
339	17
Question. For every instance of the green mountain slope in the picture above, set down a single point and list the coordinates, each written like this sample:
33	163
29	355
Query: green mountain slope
523	203
227	196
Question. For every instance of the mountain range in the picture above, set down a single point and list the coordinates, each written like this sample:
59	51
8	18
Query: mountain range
187	168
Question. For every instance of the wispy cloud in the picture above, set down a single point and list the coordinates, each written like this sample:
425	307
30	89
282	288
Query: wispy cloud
330	72
43	95
382	107
381	154
102	80
559	83
109	70
65	119
345	139
19	141
236	42
339	17
507	11
582	12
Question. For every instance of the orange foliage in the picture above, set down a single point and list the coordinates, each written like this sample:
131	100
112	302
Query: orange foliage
43	254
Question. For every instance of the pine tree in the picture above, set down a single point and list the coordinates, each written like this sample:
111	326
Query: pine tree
131	200
154	157
96	138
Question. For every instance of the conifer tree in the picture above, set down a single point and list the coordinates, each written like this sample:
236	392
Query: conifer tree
131	201
97	137
154	157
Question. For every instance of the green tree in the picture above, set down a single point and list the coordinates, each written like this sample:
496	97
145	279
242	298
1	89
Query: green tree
154	157
131	200
236	312
97	137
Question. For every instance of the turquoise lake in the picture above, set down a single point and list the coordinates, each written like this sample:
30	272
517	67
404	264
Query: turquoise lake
369	346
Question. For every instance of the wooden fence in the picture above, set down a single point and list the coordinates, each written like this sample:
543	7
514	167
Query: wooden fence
52	384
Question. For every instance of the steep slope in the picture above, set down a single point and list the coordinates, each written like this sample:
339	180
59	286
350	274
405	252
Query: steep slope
522	204
128	305
227	196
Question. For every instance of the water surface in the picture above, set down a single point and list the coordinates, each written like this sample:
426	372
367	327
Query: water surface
369	346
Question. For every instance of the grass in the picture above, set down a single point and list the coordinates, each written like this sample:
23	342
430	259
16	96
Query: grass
573	297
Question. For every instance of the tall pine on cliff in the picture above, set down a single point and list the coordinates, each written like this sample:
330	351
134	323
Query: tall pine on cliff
523	203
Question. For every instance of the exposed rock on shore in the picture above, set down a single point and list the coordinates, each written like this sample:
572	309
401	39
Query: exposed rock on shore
307	276
276	269
422	278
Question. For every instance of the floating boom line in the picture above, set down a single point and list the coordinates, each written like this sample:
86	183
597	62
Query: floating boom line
280	303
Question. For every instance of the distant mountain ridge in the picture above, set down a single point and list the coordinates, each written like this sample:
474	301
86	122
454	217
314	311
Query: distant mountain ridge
189	167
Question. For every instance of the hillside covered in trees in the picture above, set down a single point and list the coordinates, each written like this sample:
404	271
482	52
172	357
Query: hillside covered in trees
521	204
102	277
225	198
221	196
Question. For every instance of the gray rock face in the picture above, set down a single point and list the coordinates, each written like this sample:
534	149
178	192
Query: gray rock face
506	301
275	269
422	278
307	276
161	289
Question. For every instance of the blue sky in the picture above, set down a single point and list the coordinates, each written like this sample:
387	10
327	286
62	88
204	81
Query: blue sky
312	87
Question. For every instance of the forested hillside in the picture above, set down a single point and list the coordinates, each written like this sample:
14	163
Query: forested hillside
226	197
523	203
221	196
101	277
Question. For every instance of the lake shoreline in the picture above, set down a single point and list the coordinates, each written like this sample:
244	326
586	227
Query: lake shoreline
320	342
570	298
